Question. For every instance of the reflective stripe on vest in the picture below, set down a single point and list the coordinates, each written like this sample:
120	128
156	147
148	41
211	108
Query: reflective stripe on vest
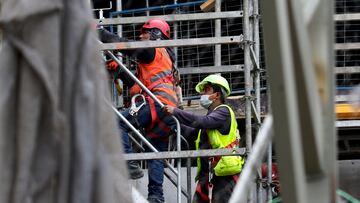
159	69
218	140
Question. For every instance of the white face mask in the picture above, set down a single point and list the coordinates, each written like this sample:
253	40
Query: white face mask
205	101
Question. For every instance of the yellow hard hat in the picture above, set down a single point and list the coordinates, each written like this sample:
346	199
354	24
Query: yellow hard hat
214	79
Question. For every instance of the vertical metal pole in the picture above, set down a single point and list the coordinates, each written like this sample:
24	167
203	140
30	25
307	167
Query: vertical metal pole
147	6
269	156
256	46
248	83
178	140
120	99
218	34
119	8
269	172
175	37
188	168
257	54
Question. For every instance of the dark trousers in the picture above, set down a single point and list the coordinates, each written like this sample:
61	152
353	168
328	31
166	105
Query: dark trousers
155	167
223	187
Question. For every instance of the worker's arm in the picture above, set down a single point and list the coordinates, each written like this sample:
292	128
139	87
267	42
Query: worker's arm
143	55
190	134
218	119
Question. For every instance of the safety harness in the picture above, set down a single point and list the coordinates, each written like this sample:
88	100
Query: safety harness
213	161
154	115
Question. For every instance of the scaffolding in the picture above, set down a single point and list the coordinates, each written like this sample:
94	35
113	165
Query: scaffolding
196	41
229	42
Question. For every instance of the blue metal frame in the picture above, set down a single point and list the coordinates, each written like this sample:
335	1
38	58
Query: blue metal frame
154	8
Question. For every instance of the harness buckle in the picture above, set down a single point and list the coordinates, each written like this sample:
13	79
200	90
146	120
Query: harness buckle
136	106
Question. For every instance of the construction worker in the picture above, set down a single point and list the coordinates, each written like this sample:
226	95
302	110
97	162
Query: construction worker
217	176
155	71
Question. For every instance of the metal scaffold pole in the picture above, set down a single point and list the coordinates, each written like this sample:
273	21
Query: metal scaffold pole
257	72
119	32
248	81
257	54
248	85
218	34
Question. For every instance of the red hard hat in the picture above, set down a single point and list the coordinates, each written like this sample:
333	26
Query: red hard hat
159	24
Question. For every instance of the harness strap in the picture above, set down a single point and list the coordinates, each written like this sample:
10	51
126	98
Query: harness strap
216	159
154	116
236	178
199	191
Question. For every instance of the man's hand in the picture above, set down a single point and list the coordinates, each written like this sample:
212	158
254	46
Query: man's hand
112	65
168	110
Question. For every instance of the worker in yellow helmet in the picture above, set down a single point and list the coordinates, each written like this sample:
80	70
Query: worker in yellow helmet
217	176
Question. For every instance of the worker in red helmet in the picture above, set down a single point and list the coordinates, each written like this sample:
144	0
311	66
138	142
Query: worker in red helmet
157	24
155	71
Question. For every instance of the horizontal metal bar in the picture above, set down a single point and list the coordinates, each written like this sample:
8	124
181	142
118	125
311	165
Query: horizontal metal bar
170	18
185	154
211	69
347	69
340	46
344	88
156	8
347	17
342	98
233	92
172	43
348	124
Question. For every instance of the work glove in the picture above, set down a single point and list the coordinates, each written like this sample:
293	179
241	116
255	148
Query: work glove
112	65
118	87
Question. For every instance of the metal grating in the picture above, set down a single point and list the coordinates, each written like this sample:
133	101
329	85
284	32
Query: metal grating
347	34
194	56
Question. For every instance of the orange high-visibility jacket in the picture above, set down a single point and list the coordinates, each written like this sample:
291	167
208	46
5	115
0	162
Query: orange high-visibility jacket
157	77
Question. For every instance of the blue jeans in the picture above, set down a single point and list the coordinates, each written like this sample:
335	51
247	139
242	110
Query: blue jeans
155	167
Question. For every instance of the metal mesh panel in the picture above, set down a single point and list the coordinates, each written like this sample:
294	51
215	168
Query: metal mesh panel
196	56
346	33
347	6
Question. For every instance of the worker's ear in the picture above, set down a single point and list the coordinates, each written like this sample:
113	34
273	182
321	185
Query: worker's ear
216	95
219	95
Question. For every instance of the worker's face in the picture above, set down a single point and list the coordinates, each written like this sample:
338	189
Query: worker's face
145	35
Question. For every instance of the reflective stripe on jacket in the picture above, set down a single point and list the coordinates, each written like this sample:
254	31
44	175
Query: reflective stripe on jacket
159	71
224	165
